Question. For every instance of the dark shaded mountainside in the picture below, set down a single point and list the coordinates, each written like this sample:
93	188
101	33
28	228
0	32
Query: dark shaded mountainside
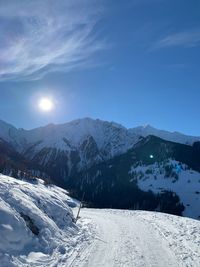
114	181
111	184
14	164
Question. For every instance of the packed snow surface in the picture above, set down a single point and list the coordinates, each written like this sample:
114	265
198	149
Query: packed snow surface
139	239
37	229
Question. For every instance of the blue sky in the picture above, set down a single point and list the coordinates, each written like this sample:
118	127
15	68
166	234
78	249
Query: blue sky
134	62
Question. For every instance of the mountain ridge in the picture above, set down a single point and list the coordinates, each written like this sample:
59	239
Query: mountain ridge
144	130
101	159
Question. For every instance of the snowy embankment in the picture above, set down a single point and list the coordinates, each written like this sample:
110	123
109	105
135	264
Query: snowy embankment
36	224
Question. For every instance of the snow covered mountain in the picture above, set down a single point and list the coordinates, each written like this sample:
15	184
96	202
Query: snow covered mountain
111	138
56	136
96	157
81	143
154	175
75	145
166	135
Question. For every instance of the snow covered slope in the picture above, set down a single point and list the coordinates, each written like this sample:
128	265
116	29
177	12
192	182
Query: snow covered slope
74	145
154	175
173	176
139	239
111	138
79	144
12	135
166	135
36	224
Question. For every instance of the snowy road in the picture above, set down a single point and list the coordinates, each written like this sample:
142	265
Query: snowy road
128	238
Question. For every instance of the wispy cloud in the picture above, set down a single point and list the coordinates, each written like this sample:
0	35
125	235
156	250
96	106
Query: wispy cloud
185	39
38	37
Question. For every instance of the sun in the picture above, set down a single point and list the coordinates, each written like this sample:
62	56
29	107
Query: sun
45	104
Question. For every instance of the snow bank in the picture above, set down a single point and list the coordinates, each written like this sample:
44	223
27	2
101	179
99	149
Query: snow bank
36	223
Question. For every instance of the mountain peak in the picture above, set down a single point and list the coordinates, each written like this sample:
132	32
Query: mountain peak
147	126
106	134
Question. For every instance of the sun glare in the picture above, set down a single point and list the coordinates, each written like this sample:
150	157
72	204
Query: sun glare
45	104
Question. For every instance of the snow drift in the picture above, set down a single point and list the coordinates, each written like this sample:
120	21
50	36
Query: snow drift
36	223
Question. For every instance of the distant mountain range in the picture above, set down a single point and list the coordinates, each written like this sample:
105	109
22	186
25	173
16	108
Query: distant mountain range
141	167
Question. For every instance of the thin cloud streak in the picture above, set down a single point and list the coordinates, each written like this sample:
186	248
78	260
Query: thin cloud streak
39	37
187	39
